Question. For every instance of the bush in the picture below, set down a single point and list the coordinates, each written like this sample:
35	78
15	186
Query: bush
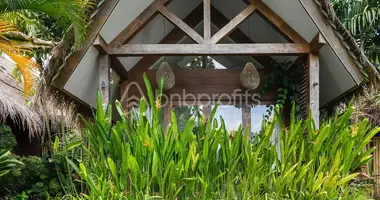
136	159
7	139
36	179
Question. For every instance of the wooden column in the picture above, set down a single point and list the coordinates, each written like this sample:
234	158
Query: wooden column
167	116
207	20
312	75
246	117
207	110
313	86
105	78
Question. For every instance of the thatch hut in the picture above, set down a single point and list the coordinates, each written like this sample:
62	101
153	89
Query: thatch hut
25	121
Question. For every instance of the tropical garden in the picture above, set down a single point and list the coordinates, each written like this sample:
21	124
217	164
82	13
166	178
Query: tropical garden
197	158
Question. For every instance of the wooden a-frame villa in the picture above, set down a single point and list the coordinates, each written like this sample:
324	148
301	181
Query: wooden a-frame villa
136	36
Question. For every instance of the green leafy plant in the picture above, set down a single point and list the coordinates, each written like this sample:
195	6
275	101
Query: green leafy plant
6	162
7	139
135	158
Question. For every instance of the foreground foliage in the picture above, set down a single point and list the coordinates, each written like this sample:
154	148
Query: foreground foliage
137	159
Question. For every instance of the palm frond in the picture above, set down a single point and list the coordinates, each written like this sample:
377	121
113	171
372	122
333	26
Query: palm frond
65	12
25	64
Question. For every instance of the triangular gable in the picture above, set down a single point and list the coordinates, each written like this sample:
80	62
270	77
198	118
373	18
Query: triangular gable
350	61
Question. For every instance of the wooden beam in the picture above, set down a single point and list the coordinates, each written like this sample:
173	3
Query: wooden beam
138	24
214	82
238	36
233	24
317	43
246	116
334	42
181	24
96	25
100	44
105	78
313	86
210	49
207	109
207	20
285	29
192	19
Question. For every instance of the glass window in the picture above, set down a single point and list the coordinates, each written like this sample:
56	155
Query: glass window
231	115
257	117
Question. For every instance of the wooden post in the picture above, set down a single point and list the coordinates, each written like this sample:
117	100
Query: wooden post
207	110
207	20
313	86
246	118
167	116
104	78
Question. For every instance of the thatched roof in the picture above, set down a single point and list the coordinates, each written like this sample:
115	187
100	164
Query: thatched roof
366	67
12	101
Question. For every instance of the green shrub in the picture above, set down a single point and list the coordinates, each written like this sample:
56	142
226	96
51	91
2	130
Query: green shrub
36	179
136	159
7	139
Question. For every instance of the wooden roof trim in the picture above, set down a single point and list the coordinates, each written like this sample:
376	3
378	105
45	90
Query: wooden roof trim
97	22
227	29
189	31
173	37
333	40
278	23
238	36
317	43
138	24
101	45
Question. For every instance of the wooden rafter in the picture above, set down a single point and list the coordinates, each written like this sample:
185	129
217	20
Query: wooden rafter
193	19
181	24
238	36
97	23
207	19
284	28
173	37
138	24
336	45
317	43
210	49
101	45
227	29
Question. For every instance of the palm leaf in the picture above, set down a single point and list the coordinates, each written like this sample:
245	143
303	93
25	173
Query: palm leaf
65	12
26	66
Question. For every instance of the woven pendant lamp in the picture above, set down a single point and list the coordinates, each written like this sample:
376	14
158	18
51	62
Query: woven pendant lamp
166	72
249	77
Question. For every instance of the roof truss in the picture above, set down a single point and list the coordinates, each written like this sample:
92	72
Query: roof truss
207	45
193	19
118	46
